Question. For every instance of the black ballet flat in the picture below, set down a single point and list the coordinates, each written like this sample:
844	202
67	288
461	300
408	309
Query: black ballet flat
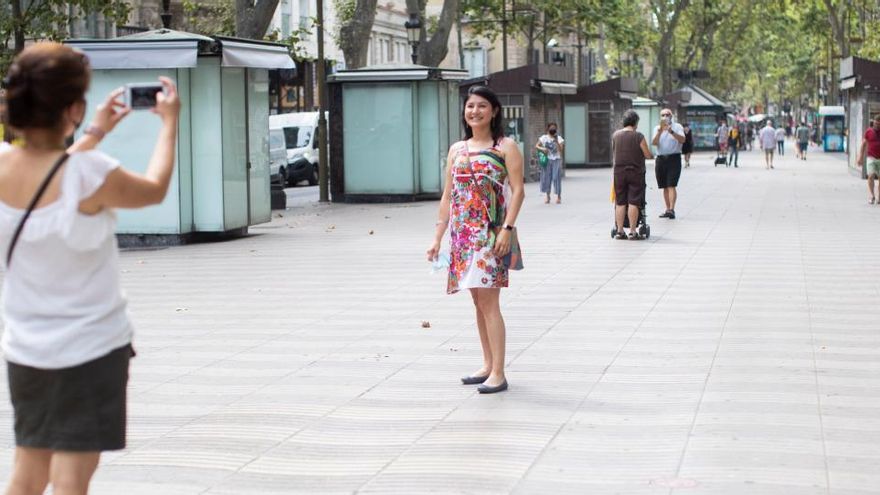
473	380
485	389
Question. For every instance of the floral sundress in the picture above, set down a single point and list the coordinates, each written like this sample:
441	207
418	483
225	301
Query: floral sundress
478	206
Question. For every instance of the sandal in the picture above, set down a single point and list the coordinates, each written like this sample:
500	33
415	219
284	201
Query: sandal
621	235
871	201
636	236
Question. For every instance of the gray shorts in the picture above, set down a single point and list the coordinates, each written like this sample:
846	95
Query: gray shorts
872	166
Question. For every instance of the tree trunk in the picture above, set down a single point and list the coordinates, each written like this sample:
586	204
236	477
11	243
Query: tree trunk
837	28
431	52
19	25
664	53
252	20
354	34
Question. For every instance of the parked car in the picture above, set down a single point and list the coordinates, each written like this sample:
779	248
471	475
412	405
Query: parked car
301	136
277	157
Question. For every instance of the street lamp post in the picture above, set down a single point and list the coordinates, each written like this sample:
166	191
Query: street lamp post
323	169
413	32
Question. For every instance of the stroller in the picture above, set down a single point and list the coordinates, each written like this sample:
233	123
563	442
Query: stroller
644	228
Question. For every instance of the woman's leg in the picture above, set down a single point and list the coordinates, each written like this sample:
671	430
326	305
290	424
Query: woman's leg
71	472
557	179
484	338
30	473
488	302
545	182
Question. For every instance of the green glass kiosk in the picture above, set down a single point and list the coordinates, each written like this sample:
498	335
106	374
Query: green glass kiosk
390	130
221	181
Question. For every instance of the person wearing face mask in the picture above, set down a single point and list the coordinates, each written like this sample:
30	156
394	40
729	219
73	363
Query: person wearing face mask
552	145
668	140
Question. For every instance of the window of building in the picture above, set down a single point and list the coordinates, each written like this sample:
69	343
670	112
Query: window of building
475	61
305	12
285	24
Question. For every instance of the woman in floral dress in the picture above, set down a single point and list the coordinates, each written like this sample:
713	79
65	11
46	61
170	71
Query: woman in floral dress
482	197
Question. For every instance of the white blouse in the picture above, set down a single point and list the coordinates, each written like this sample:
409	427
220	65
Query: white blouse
62	302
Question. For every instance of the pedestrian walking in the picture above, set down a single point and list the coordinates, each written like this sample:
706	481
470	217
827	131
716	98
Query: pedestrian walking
67	337
688	147
780	140
721	134
750	136
802	134
668	139
482	196
552	145
630	149
733	144
869	154
767	139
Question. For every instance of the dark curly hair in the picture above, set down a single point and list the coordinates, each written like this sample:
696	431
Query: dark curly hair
44	80
630	118
495	125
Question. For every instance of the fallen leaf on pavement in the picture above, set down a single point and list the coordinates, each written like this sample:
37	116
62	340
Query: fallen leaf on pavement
426	324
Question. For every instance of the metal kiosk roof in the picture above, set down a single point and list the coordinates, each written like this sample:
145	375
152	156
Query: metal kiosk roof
166	48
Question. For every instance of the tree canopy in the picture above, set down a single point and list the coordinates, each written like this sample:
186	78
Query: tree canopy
755	51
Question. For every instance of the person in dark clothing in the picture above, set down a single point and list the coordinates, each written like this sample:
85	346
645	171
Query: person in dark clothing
630	149
688	147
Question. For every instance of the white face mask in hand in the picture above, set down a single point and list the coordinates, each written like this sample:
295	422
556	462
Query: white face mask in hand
440	263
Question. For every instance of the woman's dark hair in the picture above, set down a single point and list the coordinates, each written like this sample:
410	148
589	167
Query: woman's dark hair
44	80
495	125
630	118
553	124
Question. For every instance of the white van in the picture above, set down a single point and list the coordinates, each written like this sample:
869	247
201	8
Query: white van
277	157
301	133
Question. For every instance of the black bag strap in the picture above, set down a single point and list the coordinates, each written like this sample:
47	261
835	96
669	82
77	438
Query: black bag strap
45	185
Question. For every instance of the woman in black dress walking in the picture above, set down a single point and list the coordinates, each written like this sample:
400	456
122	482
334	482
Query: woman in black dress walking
688	147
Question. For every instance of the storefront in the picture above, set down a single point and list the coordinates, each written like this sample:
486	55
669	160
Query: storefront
860	84
591	117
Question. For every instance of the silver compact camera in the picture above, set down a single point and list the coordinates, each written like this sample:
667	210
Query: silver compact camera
142	96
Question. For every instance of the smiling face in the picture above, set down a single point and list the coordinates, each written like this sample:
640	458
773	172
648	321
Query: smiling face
478	112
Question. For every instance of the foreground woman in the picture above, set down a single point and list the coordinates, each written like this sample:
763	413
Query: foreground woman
482	197
67	337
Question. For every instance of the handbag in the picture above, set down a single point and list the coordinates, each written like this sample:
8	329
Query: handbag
542	159
33	204
513	259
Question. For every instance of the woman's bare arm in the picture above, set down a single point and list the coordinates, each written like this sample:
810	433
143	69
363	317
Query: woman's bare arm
126	189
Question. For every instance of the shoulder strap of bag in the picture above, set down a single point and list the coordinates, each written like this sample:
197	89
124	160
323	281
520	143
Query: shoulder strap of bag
42	189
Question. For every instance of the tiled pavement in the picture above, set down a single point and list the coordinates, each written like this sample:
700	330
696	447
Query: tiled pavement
735	352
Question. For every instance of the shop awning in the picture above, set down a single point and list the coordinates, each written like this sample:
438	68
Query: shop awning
554	88
169	49
140	54
254	55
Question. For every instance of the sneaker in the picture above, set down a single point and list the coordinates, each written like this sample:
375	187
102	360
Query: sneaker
671	215
666	215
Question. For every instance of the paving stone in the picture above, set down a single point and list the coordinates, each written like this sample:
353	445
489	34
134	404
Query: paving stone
729	354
